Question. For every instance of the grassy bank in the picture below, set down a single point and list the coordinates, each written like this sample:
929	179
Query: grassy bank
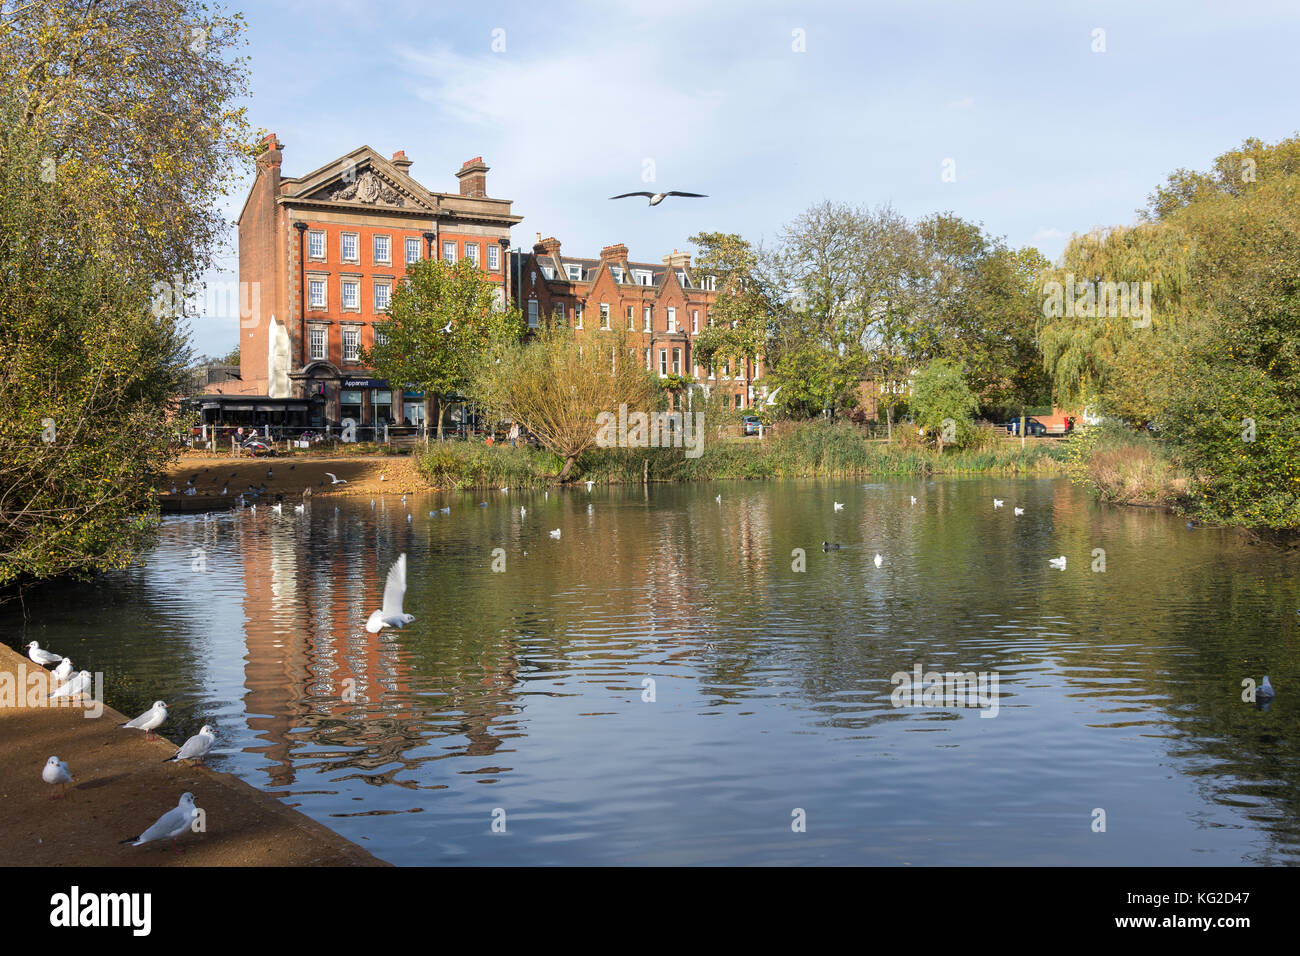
811	450
1126	467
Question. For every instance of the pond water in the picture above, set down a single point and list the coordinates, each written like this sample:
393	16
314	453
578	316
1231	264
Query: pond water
660	685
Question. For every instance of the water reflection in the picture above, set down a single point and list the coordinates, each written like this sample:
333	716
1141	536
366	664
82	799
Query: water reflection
661	685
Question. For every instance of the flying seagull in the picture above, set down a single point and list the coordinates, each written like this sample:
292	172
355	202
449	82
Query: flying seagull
197	747
170	825
391	615
335	479
56	771
657	198
446	329
151	718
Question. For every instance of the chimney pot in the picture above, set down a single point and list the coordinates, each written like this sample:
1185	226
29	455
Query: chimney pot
473	178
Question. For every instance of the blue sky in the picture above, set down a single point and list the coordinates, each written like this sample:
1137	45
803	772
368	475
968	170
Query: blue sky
1047	137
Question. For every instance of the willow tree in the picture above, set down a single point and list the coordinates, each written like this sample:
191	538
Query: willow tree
558	385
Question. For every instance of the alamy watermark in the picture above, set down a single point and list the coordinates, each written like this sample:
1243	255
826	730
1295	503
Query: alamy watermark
1097	299
651	430
922	688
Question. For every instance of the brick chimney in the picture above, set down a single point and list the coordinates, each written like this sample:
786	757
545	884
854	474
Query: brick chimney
678	260
548	247
272	154
614	254
401	162
473	178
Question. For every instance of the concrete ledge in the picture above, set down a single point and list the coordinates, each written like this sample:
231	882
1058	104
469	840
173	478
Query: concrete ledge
121	786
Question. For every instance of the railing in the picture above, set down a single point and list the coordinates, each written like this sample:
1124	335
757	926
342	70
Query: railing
286	439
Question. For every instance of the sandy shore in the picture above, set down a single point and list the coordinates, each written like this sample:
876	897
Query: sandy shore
122	785
292	476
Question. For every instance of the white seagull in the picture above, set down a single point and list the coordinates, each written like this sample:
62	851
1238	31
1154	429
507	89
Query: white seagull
446	329
277	508
913	499
63	671
657	198
718	499
299	509
150	719
197	747
335	479
879	560
589	485
838	506
997	502
78	685
522	512
1058	563
42	657
390	615
170	825
1018	511
56	771
555	533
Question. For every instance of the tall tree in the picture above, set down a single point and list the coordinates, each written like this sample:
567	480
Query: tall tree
138	105
444	325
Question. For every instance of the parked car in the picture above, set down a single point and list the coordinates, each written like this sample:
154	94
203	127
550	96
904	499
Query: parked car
752	424
1033	427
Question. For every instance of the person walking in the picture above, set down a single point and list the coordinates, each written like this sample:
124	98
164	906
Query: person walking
514	434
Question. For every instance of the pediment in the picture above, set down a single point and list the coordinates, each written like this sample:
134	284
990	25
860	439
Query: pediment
364	181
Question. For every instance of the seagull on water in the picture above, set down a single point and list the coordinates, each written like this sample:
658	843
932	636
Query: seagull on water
299	509
997	502
150	719
391	615
197	747
1018	511
170	825
838	505
56	771
913	499
522	512
335	479
445	511
277	508
657	198
827	546
42	657
879	559
589	486
78	685
1058	563
555	533
718	499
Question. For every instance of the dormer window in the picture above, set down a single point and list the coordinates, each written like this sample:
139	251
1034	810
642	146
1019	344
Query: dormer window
706	283
644	278
548	271
681	278
617	273
574	270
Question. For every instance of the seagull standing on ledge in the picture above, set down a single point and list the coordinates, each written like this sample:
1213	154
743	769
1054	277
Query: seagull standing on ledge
657	198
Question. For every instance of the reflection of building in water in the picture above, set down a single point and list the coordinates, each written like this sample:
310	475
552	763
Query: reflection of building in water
315	677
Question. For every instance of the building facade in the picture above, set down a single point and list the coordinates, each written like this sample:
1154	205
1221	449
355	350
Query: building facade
323	254
661	306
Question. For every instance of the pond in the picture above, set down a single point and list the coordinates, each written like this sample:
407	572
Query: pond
668	682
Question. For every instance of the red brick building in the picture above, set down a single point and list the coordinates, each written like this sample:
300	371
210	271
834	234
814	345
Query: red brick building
662	306
325	253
